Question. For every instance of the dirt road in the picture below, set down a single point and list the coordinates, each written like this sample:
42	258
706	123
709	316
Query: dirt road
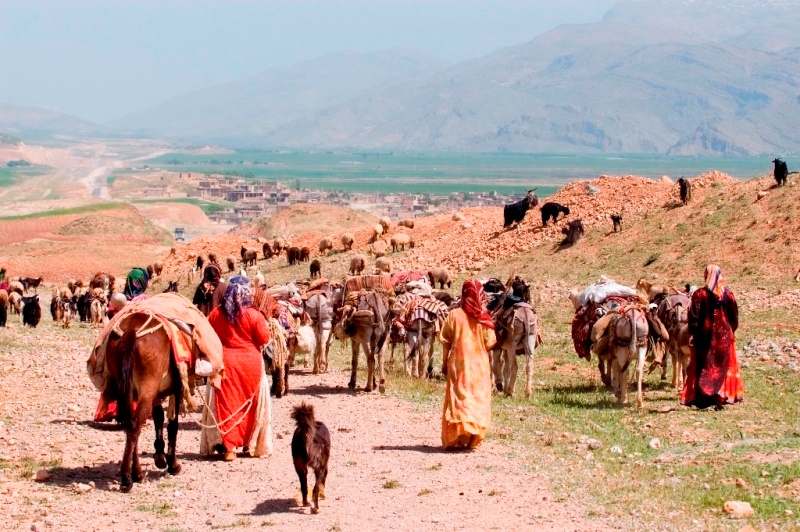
386	471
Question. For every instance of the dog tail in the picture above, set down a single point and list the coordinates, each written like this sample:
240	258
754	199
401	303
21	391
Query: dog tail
304	416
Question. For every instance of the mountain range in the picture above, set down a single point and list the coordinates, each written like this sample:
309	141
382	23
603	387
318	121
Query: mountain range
687	77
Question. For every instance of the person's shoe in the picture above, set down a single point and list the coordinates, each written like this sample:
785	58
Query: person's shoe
230	456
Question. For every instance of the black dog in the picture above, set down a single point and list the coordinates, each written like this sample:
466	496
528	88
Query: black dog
617	219
311	447
552	209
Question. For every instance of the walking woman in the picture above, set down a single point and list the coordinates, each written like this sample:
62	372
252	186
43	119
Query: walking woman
467	336
713	377
241	408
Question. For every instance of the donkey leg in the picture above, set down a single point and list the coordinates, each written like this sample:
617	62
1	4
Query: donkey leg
326	340
172	435
497	368
510	371
159	457
126	483
354	345
429	356
640	372
370	369
143	411
530	349
381	368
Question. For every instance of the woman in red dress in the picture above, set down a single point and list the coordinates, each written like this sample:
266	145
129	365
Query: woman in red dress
241	407
713	377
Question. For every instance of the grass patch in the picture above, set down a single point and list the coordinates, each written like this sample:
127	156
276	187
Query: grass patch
242	522
424	491
161	509
434	467
207	206
390	485
29	465
84	209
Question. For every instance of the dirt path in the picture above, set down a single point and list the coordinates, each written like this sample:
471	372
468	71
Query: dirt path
386	469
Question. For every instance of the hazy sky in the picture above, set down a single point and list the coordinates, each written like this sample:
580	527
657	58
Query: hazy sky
103	59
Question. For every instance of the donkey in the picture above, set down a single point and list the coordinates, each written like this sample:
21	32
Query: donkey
630	332
674	314
142	373
518	329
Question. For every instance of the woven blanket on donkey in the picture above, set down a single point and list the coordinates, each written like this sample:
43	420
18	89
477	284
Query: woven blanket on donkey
368	282
428	309
585	318
174	312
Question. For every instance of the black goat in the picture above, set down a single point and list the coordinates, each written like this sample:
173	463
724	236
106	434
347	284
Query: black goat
515	212
574	231
31	311
315	269
616	219
686	190
781	171
552	209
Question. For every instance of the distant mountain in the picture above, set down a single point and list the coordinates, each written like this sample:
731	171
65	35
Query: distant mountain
32	122
665	76
247	109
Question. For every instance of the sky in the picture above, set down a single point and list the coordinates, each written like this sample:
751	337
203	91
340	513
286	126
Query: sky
99	60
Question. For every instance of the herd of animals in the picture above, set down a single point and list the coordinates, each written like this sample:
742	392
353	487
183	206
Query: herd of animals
380	311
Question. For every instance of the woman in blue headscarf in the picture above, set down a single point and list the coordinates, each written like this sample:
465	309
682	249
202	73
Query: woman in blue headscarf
241	406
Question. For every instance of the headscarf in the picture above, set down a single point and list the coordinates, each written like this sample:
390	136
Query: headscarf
714	280
237	298
212	274
473	302
264	303
136	283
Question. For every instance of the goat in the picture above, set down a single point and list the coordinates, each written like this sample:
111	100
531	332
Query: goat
573	232
552	209
401	240
28	283
441	276
616	219
267	249
347	241
686	190
325	245
293	255
357	265
781	171
315	269
305	254
515	212
31	311
311	447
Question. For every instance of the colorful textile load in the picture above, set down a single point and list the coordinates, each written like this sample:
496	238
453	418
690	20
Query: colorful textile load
192	338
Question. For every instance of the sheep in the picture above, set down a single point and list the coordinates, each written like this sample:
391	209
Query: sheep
315	269
401	240
15	303
441	276
305	254
384	221
357	264
325	245
383	264
259	280
278	245
408	222
377	231
158	266
574	297
150	271
379	247
231	263
3	307
347	241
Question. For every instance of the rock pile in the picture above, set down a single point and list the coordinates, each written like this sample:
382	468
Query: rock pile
785	354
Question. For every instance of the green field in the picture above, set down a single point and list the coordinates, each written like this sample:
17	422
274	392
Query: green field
207	206
10	176
442	173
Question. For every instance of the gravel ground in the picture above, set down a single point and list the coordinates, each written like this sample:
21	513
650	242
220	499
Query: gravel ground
386	468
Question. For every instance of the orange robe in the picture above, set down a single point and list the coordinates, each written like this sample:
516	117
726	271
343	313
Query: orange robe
244	372
467	410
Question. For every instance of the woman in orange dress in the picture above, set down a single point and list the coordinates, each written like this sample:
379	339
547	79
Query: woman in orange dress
241	408
467	336
713	377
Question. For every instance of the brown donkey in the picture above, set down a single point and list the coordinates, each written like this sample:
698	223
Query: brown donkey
142	372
